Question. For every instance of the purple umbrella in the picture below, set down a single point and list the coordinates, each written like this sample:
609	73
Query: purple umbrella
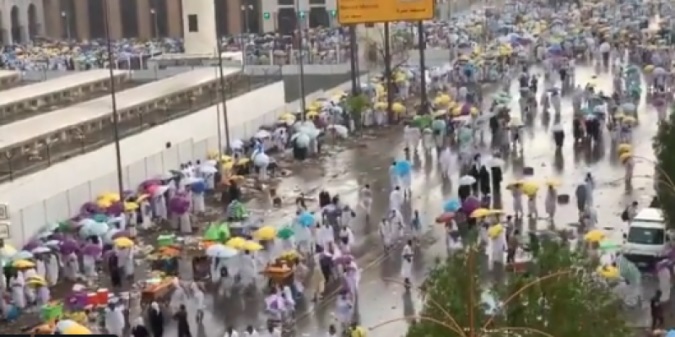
343	259
32	244
115	209
57	236
470	204
91	249
179	205
466	109
69	246
90	208
150	182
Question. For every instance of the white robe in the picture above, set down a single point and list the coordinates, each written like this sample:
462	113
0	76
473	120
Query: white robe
18	297
406	266
114	321
198	203
395	200
52	270
446	161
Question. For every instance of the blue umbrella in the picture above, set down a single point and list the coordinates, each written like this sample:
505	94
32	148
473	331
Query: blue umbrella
94	229
670	333
306	219
452	205
403	168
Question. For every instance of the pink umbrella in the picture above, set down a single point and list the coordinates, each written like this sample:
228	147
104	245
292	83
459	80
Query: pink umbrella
179	205
91	249
69	246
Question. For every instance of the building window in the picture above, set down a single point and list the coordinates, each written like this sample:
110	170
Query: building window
193	25
285	2
317	2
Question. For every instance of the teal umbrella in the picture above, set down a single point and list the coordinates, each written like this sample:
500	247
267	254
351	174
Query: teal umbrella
285	233
629	271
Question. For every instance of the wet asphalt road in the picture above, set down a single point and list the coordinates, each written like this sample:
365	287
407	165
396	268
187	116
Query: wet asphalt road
381	297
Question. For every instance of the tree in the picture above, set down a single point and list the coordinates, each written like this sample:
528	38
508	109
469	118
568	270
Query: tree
664	148
356	105
558	296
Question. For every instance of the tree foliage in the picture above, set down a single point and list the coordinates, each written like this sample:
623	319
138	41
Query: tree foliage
664	175
356	105
568	301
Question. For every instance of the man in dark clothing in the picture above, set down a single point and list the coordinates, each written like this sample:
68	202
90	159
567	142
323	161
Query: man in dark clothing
183	325
657	311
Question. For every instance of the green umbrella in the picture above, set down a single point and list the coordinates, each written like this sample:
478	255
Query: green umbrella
285	233
212	233
224	231
607	245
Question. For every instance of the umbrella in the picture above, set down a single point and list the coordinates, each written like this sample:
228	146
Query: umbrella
236	243
251	246
285	233
622	148
403	168
32	245
218	233
609	246
91	249
121	234
221	251
595	235
445	217
306	219
123	243
452	205
467	180
7	251
36	281
23	264
76	330
23	255
94	228
340	130
470	204
609	272
628	270
530	188
625	156
208	169
495	231
69	246
265	233
40	250
480	213
65	324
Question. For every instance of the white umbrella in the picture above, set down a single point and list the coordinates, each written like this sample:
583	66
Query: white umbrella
261	160
301	140
208	169
340	130
262	134
237	144
192	180
40	250
467	180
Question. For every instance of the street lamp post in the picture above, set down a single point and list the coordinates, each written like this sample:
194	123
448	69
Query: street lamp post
246	9
301	62
66	19
155	23
115	116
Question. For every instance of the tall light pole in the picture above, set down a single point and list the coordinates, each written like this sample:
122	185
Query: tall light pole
245	10
66	19
223	97
153	14
299	18
113	95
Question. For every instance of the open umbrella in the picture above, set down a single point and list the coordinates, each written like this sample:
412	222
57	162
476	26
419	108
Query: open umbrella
451	205
470	205
23	264
251	246
123	243
445	217
467	180
479	213
40	250
69	246
221	251
285	233
91	249
236	243
595	235
306	219
7	251
23	255
265	233
403	168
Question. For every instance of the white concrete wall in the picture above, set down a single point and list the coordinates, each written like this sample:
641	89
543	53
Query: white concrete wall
204	40
22	5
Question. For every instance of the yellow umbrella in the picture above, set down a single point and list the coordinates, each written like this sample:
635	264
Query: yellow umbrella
479	213
456	111
438	113
123	243
312	114
130	206
553	182
595	235
629	119
252	246
530	188
36	281
265	233
398	108
495	231
380	105
104	203
496	211
23	264
625	156
236	242
649	68
109	196
76	329
609	272
624	148
473	111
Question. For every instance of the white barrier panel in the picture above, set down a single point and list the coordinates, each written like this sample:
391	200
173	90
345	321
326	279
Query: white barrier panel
26	130
8	78
58	192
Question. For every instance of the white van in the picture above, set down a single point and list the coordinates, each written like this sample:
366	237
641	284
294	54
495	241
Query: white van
646	241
